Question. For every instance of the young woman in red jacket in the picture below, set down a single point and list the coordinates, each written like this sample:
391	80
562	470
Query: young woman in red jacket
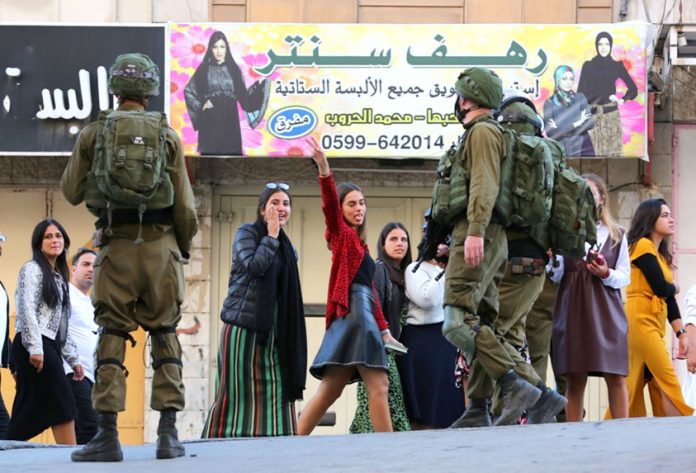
353	347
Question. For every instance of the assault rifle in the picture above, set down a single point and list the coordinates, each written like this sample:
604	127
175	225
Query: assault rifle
433	236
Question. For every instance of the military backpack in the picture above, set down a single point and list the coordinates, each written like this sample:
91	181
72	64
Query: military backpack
526	181
574	214
129	170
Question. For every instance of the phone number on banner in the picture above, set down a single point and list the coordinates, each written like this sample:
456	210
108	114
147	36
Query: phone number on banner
340	141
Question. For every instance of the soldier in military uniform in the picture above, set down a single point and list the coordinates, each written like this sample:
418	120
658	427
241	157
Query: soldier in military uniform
478	255
538	330
521	286
138	274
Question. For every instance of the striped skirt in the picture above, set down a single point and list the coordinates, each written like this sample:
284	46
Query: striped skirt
248	389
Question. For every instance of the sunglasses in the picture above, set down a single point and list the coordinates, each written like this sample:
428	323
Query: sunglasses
278	185
2	237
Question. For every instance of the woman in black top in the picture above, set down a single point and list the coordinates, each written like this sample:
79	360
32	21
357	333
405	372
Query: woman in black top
598	83
212	95
393	256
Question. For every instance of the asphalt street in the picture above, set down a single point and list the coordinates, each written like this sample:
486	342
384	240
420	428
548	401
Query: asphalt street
630	445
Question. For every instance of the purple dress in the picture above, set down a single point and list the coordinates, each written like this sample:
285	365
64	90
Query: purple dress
589	323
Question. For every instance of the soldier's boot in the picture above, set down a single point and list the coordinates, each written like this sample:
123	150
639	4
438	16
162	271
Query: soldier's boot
549	405
518	395
168	445
104	446
476	415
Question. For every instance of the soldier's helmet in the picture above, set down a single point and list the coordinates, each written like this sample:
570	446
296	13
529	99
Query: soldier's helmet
480	85
520	113
135	76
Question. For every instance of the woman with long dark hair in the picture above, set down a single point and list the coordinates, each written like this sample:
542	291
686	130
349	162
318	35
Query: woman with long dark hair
262	361
212	95
353	347
598	83
42	341
589	324
650	302
393	256
567	115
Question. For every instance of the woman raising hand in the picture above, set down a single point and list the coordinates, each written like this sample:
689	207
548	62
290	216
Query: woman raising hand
353	347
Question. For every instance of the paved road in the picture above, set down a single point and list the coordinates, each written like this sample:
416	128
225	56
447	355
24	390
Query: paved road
632	445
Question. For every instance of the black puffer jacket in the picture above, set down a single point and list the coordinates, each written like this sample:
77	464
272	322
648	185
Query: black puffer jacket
252	255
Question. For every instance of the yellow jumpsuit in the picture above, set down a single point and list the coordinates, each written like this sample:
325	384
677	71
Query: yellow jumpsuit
647	317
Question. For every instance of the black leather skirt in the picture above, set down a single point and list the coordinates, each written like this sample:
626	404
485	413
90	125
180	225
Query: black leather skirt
352	340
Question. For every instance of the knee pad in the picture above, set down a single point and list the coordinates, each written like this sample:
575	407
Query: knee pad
165	348
111	348
459	333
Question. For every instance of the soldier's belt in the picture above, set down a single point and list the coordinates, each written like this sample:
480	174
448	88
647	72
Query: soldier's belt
523	265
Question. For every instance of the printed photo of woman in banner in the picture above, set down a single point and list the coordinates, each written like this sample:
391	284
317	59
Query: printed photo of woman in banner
259	89
217	96
567	115
598	82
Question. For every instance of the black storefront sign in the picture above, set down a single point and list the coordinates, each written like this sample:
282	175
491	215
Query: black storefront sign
53	80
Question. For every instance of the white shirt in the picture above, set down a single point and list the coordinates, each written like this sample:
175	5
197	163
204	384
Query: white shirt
689	315
425	295
618	278
83	330
4	317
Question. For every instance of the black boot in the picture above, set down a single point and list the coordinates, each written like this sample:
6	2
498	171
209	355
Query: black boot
168	445
104	446
547	407
518	395
476	415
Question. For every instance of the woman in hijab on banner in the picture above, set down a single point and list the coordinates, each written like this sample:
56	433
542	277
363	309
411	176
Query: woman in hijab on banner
212	96
567	115
598	83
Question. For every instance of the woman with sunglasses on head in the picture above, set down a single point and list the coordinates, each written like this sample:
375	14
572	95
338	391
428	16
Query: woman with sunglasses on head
42	341
262	361
353	347
650	302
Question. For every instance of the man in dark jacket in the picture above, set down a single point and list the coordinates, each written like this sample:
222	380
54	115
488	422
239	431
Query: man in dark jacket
4	346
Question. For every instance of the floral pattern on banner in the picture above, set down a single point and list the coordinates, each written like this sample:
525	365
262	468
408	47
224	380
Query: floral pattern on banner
349	90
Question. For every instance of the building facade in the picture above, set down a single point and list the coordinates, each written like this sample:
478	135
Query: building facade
226	189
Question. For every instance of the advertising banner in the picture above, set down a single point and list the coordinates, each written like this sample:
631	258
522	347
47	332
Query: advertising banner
53	80
365	90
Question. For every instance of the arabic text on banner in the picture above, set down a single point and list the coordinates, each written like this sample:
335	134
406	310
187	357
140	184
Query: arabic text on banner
387	91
